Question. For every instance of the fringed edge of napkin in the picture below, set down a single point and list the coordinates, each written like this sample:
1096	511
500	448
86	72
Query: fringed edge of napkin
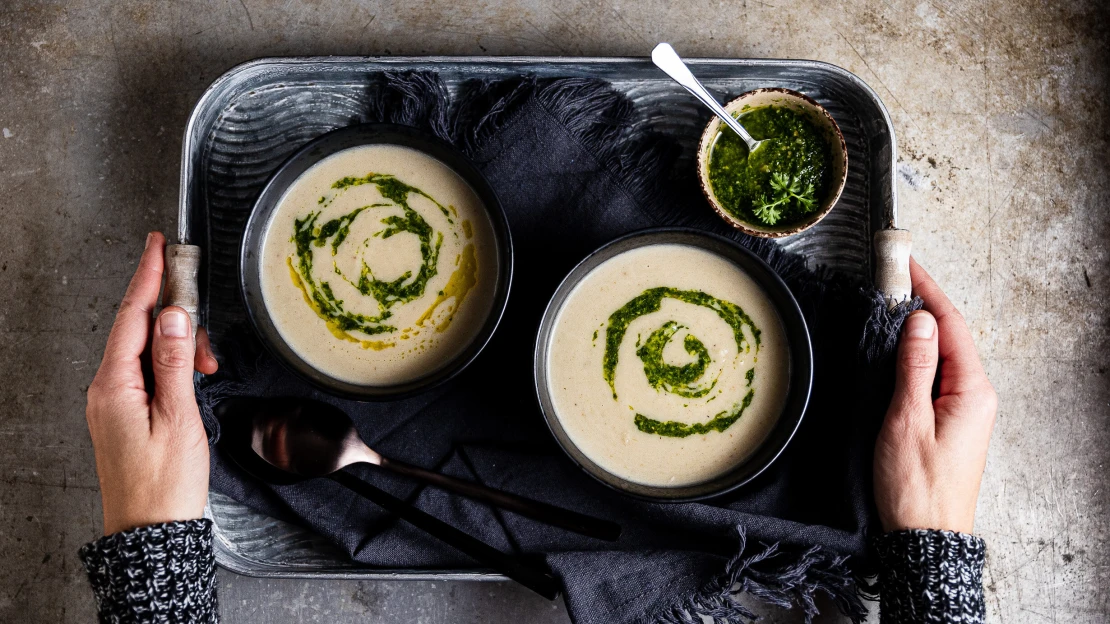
776	577
596	115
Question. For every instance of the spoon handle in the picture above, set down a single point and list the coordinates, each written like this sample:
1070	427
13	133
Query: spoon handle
540	581
666	59
543	512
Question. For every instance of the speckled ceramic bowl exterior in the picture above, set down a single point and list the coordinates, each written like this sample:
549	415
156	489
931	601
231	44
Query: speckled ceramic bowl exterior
817	113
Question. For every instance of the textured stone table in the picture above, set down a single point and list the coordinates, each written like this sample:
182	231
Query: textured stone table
1000	109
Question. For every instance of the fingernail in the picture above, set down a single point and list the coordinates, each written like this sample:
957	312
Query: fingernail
174	324
149	236
920	325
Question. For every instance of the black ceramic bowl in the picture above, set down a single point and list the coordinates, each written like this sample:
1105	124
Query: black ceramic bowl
279	183
800	371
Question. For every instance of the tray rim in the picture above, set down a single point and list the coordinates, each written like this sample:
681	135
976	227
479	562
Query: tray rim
188	144
231	560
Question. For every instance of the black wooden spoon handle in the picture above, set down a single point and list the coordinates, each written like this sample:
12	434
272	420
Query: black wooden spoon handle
540	581
543	512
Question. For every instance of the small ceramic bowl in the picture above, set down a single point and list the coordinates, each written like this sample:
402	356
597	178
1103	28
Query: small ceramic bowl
816	113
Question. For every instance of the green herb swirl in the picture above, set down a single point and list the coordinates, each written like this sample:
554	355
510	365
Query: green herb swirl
308	236
686	380
723	420
678	380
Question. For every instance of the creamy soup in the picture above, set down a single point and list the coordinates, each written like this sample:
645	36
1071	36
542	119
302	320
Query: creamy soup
668	365
379	265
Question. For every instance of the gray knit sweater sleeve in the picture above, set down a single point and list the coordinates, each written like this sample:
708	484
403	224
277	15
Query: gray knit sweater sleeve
931	577
163	573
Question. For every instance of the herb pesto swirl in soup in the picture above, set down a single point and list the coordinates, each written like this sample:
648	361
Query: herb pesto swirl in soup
667	365
379	265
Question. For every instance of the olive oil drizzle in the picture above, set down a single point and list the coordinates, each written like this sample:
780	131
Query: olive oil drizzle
333	327
309	237
462	280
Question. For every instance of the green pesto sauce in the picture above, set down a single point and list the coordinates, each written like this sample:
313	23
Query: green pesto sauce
787	177
680	380
390	188
685	380
307	236
674	429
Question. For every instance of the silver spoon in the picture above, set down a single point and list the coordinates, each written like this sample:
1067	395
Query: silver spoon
315	439
666	59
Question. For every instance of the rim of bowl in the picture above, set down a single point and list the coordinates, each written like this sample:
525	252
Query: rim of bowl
275	188
800	373
754	229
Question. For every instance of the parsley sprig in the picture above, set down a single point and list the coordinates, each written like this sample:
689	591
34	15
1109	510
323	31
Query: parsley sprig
786	193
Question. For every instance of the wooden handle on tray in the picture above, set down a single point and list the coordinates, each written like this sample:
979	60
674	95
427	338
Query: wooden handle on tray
892	265
182	267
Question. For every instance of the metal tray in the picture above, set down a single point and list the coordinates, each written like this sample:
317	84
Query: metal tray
251	118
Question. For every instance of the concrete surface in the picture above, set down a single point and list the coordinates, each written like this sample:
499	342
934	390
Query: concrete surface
1002	123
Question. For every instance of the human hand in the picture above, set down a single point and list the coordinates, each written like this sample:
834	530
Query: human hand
151	449
931	452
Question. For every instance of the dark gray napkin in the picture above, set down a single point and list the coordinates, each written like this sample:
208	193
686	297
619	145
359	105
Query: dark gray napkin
571	178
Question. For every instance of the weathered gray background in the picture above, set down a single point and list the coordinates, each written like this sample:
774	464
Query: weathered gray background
1001	117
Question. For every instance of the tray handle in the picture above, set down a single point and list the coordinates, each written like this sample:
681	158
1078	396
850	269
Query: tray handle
182	267
892	265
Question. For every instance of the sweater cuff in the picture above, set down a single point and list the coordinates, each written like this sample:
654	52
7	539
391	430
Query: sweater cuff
931	577
158	573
